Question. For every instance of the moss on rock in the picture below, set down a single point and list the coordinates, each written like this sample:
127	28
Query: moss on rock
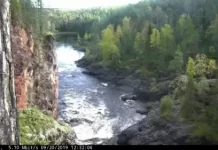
37	128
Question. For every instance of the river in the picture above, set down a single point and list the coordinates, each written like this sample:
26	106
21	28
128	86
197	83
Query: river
92	108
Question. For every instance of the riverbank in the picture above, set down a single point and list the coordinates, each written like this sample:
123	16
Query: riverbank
146	90
153	130
91	106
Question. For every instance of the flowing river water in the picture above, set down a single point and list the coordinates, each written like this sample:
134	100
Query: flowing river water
92	108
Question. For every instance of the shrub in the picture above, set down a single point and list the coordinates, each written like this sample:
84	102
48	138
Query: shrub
177	63
166	106
154	85
201	65
190	69
211	68
206	125
87	53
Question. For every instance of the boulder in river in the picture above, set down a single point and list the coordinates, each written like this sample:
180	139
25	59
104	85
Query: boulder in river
142	112
128	97
104	84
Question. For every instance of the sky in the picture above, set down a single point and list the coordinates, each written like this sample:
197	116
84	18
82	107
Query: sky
81	4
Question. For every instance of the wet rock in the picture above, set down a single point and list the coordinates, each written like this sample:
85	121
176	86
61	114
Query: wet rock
94	141
142	91
155	131
111	141
142	112
82	49
128	97
70	139
84	62
126	89
157	143
88	73
100	113
127	135
77	121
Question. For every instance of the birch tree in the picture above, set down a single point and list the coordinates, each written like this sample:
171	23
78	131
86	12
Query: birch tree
8	113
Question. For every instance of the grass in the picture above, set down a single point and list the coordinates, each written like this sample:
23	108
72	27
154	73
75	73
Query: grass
166	108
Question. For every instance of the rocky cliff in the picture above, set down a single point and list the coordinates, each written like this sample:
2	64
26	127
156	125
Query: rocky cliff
36	79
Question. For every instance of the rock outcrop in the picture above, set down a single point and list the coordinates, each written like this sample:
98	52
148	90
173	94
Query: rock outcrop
46	79
155	131
36	79
22	51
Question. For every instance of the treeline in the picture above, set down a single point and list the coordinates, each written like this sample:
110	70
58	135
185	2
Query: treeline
31	15
82	21
150	30
169	31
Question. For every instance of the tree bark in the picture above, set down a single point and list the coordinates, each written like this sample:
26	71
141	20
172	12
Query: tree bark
9	133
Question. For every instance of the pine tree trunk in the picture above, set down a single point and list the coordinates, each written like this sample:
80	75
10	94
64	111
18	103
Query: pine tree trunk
9	133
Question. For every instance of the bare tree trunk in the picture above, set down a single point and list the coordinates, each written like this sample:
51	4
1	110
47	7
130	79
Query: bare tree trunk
8	113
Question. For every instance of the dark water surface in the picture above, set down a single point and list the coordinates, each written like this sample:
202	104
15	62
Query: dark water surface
93	109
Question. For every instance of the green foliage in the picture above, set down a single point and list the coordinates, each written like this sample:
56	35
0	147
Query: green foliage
201	65
205	120
127	39
39	129
213	30
145	73
212	50
16	11
110	51
149	32
199	106
186	31
189	101
78	39
211	68
166	37
88	52
177	63
118	32
137	42
206	127
155	39
190	69
30	14
87	36
154	85
166	106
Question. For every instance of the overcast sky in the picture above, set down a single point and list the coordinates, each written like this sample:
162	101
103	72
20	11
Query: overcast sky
79	4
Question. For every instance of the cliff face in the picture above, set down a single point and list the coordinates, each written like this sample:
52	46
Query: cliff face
22	50
46	79
36	79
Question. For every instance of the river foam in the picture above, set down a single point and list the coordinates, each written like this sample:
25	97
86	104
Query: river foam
92	108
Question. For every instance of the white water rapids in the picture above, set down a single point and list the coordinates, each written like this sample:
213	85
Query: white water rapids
91	107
